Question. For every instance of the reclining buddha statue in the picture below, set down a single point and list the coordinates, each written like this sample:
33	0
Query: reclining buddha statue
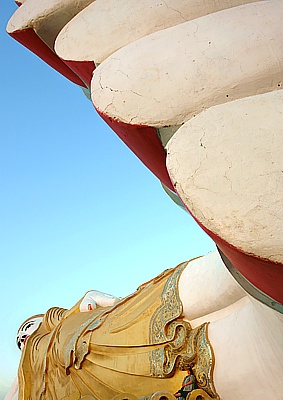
194	316
194	89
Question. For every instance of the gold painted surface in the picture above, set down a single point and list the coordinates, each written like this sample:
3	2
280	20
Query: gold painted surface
162	395
135	348
199	394
125	396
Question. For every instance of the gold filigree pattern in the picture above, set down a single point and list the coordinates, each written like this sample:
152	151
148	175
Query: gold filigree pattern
184	346
163	330
203	369
164	359
170	308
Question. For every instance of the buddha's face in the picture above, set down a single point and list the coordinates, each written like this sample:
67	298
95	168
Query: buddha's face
26	329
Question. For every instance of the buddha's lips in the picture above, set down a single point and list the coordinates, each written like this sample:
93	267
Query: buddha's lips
26	338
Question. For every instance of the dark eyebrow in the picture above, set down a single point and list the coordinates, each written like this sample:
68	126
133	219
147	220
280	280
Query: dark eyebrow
27	325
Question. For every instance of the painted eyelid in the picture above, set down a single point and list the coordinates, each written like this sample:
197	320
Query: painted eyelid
28	325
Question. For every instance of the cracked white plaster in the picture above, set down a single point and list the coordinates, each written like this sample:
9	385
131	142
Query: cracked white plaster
232	54
45	17
226	162
227	166
108	25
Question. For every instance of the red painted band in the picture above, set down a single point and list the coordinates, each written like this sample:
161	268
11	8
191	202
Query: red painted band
264	274
29	39
145	144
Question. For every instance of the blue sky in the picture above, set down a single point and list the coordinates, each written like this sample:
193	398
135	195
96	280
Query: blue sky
78	210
